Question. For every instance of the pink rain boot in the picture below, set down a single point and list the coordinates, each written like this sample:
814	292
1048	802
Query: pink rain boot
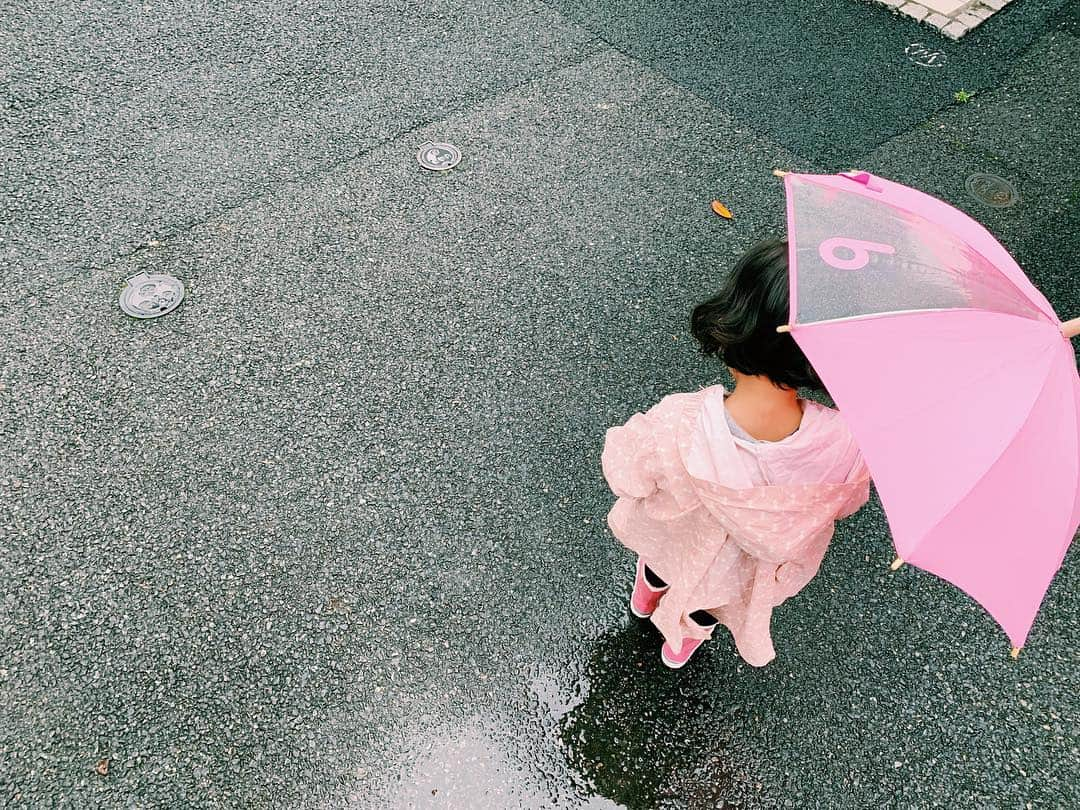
677	659
645	598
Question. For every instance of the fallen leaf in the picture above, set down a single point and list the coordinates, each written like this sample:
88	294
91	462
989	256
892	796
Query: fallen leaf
103	767
721	209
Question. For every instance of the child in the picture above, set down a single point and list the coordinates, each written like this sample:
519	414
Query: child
730	500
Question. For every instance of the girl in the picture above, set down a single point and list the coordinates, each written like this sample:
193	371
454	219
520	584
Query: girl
729	500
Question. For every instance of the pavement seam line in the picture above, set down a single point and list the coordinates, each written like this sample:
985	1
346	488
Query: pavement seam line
682	87
342	161
1020	54
1006	85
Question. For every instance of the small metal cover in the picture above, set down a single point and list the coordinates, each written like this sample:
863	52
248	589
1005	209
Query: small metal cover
149	295
438	157
992	190
924	57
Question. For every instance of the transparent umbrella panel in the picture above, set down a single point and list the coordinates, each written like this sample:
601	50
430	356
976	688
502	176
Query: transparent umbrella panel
857	255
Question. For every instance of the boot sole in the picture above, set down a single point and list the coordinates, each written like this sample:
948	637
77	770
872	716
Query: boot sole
672	664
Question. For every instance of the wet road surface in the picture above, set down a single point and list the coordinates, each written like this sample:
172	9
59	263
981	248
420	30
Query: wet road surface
332	534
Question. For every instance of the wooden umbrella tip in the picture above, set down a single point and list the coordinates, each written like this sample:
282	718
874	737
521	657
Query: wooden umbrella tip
784	328
779	173
896	564
1014	653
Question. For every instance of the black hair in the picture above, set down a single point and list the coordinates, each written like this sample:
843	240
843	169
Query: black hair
739	323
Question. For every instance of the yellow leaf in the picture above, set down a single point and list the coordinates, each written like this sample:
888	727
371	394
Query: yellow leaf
721	209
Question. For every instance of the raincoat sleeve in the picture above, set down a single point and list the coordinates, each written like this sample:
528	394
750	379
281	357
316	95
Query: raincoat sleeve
860	474
630	461
627	458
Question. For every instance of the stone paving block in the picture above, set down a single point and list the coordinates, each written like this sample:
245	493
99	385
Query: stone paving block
955	30
948	7
943	13
915	11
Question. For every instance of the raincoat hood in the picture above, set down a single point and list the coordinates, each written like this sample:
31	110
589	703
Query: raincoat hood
762	519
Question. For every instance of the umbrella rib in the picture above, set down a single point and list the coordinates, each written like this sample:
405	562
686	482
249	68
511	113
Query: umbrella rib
895	312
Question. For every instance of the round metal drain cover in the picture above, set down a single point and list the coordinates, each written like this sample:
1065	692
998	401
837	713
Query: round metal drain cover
151	295
924	57
439	156
992	190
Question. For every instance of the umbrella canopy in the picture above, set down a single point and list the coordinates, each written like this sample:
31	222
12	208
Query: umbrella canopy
954	375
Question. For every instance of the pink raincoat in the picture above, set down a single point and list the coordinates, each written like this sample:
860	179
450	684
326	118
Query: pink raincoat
734	526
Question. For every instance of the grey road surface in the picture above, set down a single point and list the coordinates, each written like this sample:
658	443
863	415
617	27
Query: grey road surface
332	535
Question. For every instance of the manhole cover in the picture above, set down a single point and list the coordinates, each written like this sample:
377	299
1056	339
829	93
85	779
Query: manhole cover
439	156
150	295
924	56
992	190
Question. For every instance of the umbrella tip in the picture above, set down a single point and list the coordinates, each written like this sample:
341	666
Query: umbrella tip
896	564
1014	653
779	173
784	328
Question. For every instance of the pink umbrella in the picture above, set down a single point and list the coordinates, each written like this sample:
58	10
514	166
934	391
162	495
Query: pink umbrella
977	462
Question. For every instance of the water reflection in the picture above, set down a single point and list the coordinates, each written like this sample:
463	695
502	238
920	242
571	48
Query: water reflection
611	730
485	764
466	768
645	736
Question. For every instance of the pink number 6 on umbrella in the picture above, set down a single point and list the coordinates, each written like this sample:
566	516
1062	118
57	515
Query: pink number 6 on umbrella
858	247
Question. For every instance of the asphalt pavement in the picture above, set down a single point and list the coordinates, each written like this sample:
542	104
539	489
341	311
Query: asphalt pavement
332	534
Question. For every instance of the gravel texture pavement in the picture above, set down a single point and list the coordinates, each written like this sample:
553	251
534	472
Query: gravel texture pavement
333	533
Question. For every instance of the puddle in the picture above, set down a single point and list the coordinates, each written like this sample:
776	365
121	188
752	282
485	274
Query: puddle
644	736
482	765
617	731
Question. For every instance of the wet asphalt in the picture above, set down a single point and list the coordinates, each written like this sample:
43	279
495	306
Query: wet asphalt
333	533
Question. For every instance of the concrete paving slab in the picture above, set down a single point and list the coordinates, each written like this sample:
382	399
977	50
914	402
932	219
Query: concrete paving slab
954	18
124	122
946	6
829	79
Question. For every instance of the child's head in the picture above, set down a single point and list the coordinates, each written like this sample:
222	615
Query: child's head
739	324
